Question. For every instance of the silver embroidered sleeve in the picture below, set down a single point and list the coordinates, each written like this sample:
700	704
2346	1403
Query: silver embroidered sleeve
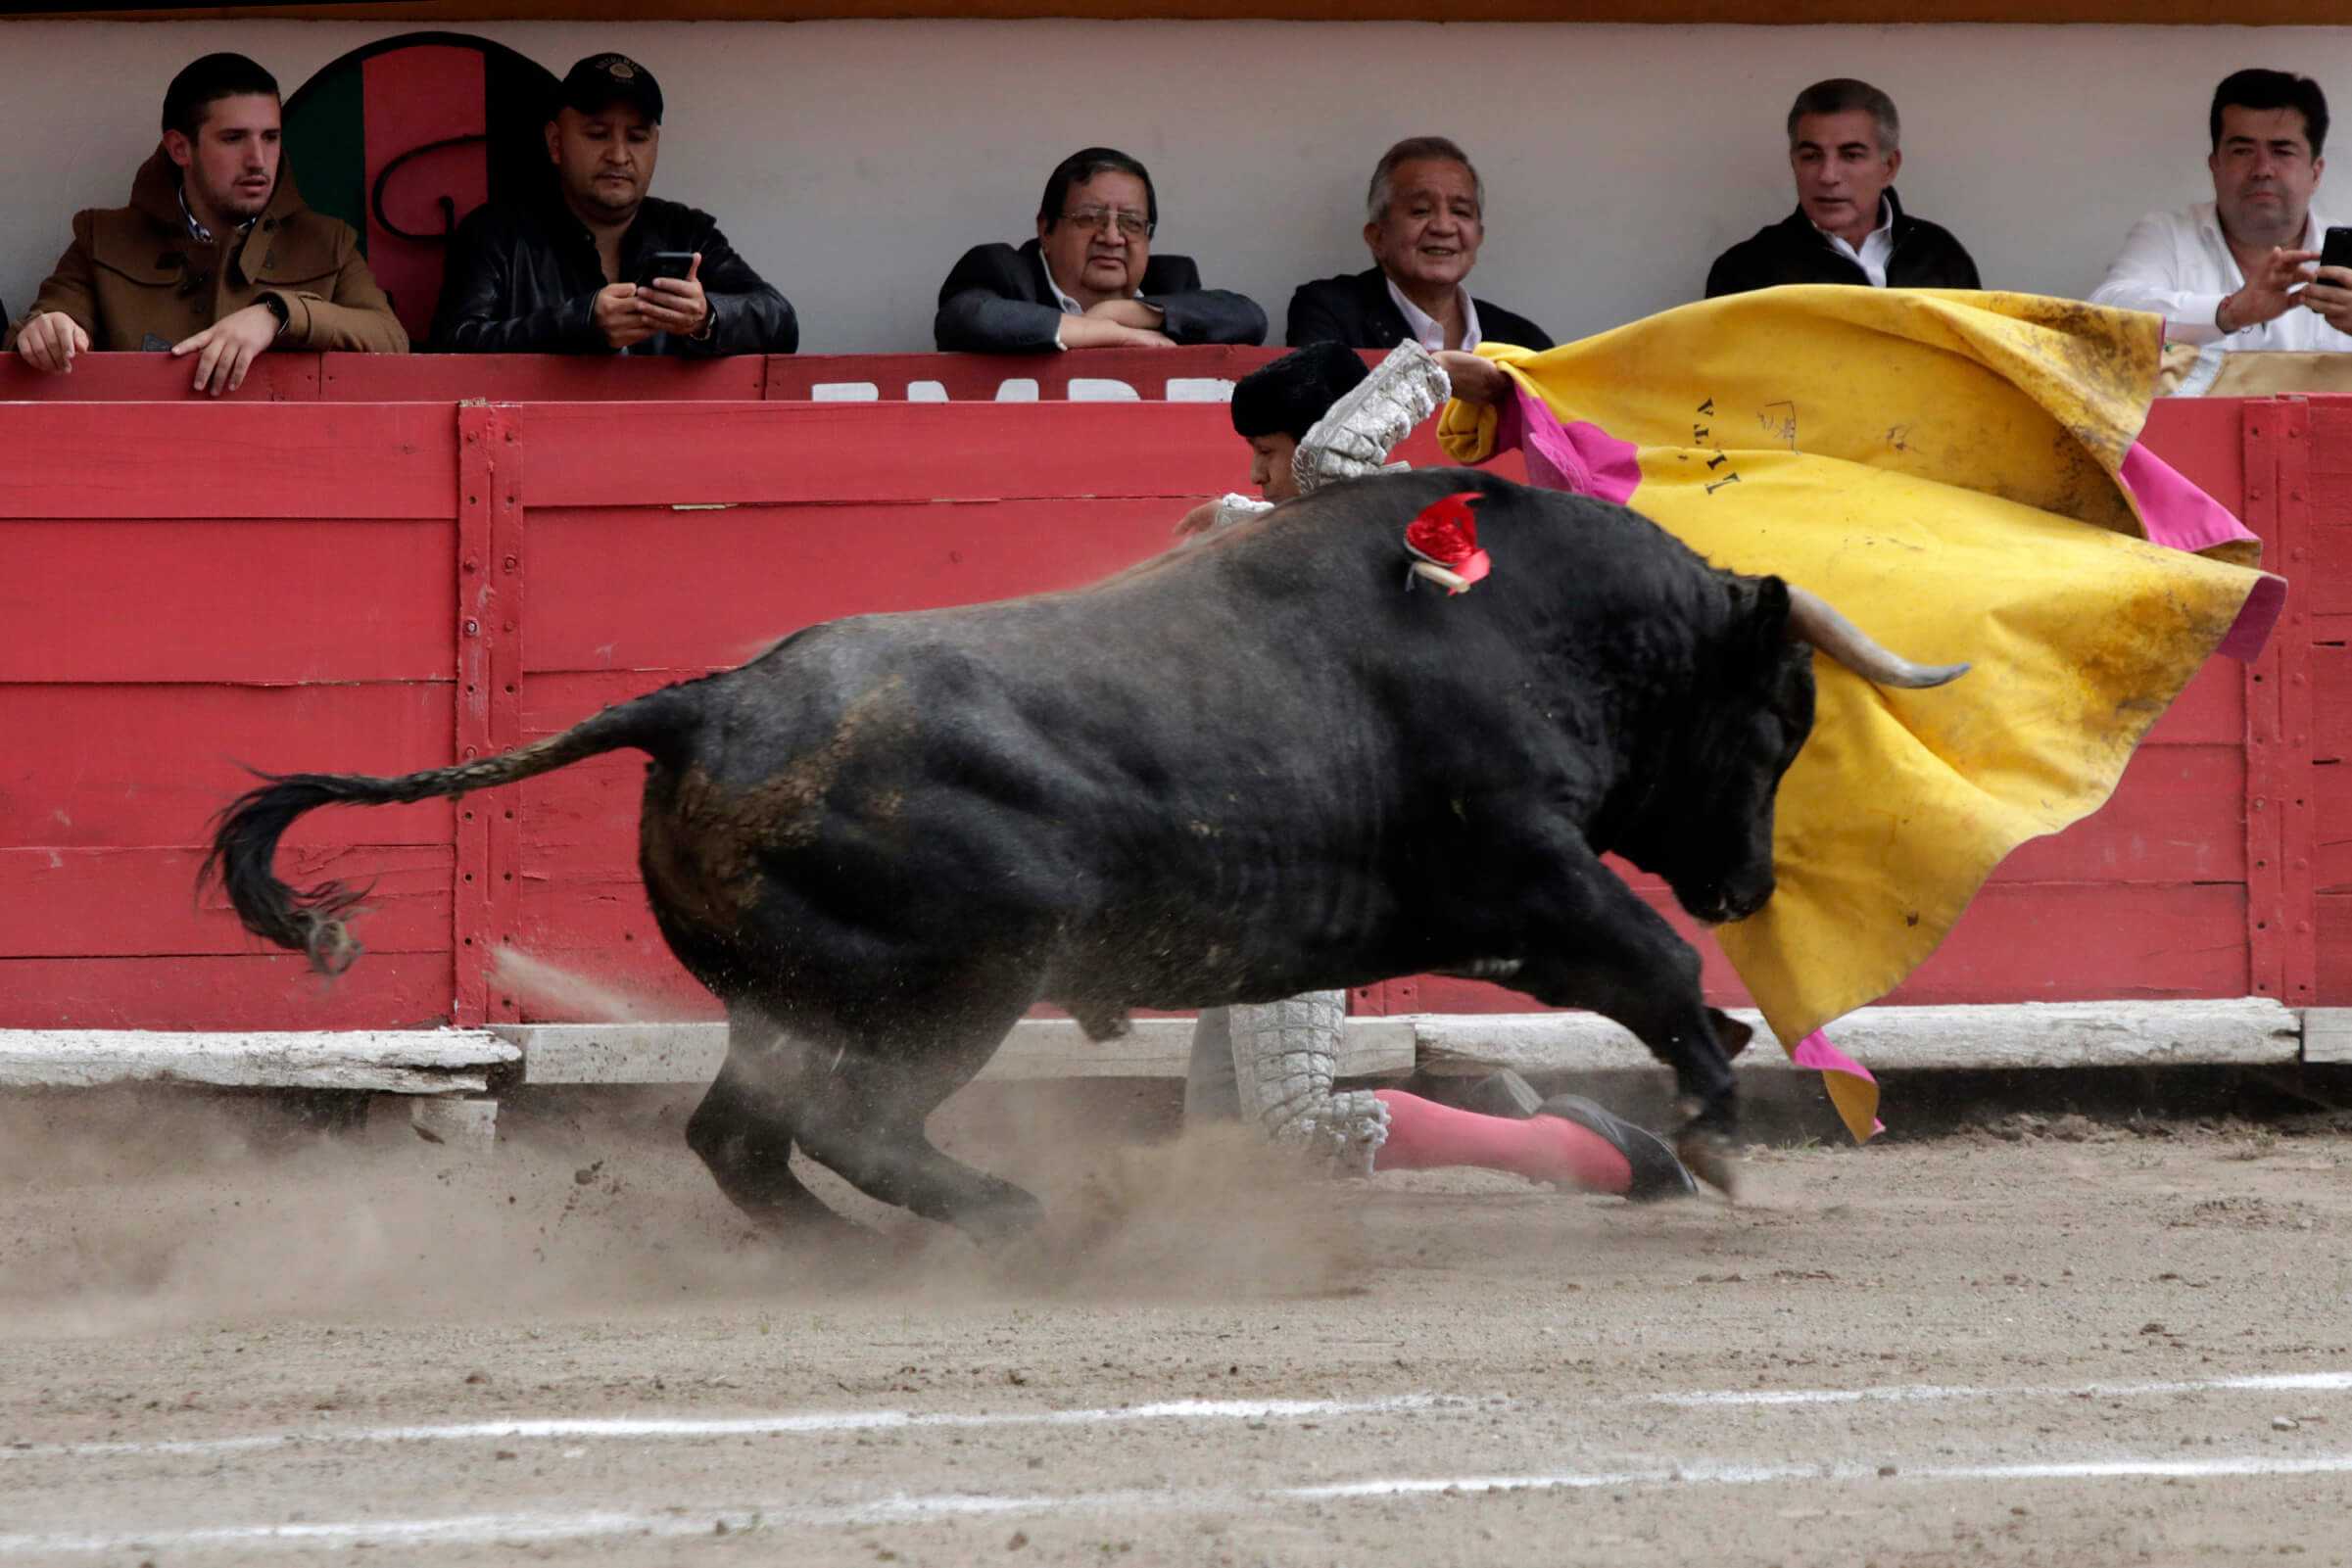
1284	1057
1356	434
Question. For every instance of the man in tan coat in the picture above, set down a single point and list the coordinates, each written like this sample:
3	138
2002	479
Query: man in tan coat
216	258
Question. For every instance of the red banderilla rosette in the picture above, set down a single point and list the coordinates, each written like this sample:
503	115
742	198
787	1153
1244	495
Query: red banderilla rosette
1444	541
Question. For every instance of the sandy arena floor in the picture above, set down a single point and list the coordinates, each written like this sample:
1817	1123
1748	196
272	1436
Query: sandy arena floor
2091	1345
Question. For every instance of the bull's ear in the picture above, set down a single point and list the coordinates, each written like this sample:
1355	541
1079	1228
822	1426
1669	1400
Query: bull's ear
1760	606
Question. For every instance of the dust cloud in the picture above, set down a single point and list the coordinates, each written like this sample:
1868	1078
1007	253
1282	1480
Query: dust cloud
155	1208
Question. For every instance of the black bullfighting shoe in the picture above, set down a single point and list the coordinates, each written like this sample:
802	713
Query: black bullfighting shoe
1656	1174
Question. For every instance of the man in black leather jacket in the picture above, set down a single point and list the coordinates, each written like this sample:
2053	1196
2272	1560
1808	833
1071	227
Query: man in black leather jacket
598	266
1845	148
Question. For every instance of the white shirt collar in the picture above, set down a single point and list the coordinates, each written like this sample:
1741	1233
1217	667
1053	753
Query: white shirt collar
1877	247
1061	297
1425	328
2209	219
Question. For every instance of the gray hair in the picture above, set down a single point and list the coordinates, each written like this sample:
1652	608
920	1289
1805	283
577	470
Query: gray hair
1842	95
1381	194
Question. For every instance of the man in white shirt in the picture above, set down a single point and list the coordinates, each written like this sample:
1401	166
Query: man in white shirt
2235	272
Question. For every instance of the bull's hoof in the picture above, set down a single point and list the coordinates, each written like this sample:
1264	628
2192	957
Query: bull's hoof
1713	1158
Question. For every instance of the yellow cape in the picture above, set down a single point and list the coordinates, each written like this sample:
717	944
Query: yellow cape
1942	467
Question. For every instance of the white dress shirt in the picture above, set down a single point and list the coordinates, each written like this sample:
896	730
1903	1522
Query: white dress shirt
1878	246
2178	265
1426	329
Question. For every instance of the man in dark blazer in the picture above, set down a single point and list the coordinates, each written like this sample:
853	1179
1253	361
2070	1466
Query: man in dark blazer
1845	148
1088	280
1426	211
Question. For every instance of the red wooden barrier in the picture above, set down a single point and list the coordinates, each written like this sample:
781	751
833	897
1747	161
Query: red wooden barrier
378	586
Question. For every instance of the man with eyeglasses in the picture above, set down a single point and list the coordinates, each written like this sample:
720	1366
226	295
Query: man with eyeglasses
1088	280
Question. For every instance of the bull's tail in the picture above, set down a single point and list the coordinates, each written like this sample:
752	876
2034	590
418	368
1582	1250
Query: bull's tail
309	920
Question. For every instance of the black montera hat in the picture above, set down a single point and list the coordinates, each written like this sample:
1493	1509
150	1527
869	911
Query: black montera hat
599	81
1287	397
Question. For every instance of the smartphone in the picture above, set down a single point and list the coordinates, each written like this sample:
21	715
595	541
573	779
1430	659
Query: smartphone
669	264
2336	249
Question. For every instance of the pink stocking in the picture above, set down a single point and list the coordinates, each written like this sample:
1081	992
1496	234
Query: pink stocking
1423	1135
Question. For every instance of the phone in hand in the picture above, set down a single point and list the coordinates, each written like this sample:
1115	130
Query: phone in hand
2336	249
668	265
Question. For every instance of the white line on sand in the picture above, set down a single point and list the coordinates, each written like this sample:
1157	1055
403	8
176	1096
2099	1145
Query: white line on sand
817	1422
823	1422
899	1508
2279	1383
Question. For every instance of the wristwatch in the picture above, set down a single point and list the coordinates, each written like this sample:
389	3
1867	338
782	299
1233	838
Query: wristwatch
277	307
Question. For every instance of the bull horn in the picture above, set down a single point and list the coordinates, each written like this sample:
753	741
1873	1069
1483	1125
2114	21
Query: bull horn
1811	620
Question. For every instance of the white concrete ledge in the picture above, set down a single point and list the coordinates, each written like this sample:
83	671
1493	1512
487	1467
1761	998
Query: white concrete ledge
2328	1034
383	1061
1037	1048
2251	1032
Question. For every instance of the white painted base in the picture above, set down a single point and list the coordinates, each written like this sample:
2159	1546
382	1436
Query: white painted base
2242	1031
1037	1048
2328	1034
2252	1030
384	1061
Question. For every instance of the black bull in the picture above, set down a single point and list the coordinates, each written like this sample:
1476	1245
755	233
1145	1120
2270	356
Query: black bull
1261	766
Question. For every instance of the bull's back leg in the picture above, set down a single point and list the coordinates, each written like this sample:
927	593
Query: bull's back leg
742	1131
862	1110
1591	943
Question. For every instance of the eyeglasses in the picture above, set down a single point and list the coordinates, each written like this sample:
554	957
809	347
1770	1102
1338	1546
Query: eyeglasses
1131	225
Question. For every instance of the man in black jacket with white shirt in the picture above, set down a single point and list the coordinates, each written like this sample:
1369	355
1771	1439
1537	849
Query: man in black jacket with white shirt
1844	147
578	272
1088	280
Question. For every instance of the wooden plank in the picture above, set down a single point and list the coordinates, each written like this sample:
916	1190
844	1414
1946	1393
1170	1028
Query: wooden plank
244	991
2244	1031
2297	834
2331	812
135	902
2332	699
714	454
204	458
2177	817
488	616
2265	425
2333	984
384	1061
2328	575
151	764
2328	1034
538	378
155	378
1037	1048
256	601
711	589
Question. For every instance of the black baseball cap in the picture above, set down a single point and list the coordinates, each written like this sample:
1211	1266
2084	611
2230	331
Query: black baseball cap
599	81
